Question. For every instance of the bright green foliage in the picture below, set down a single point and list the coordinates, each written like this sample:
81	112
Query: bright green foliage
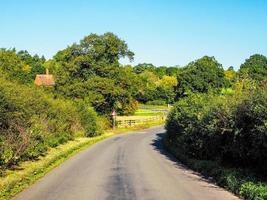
31	121
255	67
230	74
254	191
155	88
166	88
201	76
21	66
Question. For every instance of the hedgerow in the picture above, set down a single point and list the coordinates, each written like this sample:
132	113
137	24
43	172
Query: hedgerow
229	129
31	121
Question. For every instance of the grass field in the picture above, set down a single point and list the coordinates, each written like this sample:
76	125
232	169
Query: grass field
145	112
153	106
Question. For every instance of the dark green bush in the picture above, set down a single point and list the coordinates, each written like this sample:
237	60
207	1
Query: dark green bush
230	130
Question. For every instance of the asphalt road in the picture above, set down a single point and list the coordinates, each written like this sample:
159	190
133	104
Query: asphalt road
130	166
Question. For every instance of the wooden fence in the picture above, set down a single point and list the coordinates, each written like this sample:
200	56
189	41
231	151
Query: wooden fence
128	121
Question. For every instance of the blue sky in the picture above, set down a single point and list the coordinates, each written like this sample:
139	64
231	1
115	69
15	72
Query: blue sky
162	32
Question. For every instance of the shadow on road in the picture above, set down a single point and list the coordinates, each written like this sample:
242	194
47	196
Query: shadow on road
158	146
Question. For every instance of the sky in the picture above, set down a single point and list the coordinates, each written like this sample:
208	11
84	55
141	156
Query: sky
162	32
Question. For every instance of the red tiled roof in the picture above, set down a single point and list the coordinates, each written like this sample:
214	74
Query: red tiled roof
44	79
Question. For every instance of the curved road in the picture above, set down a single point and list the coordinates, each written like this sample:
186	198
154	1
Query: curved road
130	166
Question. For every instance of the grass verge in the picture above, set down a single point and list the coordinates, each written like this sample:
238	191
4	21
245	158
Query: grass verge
145	112
15	181
241	182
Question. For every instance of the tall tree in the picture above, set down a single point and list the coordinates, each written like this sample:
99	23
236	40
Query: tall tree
144	67
91	70
255	66
200	76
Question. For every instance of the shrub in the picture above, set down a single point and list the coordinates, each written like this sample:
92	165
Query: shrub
31	121
226	130
231	129
89	120
257	191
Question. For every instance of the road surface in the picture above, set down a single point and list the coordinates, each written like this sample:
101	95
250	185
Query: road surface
130	166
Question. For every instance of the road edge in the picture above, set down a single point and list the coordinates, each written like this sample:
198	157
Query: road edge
18	180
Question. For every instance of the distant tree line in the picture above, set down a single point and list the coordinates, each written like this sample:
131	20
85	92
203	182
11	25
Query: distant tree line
90	71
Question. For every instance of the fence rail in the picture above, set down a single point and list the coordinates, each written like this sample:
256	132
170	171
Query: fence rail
128	121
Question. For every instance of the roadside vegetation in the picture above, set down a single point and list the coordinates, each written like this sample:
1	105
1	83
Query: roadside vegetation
220	128
21	177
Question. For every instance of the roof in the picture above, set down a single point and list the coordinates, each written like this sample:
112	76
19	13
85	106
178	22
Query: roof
44	79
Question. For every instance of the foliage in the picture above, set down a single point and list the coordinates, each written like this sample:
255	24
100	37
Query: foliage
158	71
257	191
20	66
90	71
140	68
201	76
157	89
31	121
255	66
231	128
230	75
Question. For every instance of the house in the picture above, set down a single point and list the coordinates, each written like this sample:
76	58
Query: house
44	79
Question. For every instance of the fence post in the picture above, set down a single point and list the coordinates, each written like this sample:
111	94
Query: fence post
113	119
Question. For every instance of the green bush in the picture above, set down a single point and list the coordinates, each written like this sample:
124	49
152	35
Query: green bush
31	121
250	190
89	120
229	129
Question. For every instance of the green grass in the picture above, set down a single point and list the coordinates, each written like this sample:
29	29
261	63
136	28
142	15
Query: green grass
153	106
145	112
14	181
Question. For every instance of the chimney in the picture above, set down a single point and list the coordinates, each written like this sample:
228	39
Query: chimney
47	71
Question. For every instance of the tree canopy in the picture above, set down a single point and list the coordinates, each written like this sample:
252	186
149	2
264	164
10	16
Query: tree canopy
90	70
20	66
200	76
255	66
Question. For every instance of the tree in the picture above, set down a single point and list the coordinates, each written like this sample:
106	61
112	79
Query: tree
166	88
90	70
144	67
12	67
255	67
173	71
20	66
148	88
105	95
230	74
201	76
36	63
